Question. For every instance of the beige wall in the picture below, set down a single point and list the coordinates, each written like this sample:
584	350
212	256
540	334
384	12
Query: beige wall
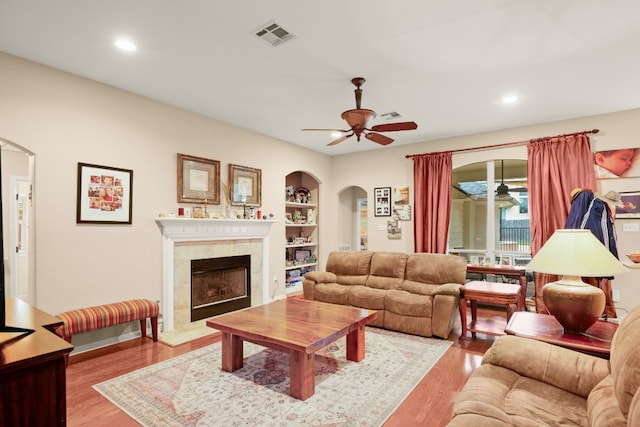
65	119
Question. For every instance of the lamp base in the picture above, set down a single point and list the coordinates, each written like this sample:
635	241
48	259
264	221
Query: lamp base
575	304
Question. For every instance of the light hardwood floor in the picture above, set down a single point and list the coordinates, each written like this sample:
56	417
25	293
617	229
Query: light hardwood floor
429	404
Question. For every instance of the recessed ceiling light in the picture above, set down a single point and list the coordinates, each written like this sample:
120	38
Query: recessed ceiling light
510	99
126	45
336	134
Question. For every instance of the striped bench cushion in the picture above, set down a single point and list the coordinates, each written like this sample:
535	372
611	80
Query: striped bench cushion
101	316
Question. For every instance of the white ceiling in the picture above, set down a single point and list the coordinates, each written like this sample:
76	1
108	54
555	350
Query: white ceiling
443	64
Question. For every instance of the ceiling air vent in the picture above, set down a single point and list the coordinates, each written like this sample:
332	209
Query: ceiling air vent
274	34
391	115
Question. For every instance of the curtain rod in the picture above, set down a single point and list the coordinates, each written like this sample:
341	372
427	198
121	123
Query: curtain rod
506	144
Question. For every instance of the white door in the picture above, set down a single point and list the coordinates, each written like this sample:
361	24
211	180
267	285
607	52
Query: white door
19	248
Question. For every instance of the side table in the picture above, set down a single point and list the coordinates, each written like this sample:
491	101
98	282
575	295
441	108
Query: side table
487	292
543	327
503	270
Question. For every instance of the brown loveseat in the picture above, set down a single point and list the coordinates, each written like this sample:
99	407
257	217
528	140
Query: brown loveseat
414	293
522	382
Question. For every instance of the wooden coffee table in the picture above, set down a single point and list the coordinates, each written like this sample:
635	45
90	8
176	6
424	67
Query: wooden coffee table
295	326
543	327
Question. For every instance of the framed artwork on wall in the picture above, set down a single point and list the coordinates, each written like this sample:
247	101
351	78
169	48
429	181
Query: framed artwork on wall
382	201
617	163
246	184
629	205
105	195
198	180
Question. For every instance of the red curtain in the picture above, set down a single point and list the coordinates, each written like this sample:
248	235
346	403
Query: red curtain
432	181
555	167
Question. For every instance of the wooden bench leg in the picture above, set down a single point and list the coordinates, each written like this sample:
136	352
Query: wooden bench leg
154	328
143	328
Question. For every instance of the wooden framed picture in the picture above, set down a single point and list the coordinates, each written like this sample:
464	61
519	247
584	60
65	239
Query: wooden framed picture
302	255
506	260
198	180
629	205
246	184
382	201
105	195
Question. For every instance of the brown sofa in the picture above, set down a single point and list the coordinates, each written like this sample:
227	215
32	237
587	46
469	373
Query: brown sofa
523	382
414	293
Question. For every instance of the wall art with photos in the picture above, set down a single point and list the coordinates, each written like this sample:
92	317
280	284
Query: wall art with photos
629	206
617	163
246	183
198	180
394	230
382	201
105	195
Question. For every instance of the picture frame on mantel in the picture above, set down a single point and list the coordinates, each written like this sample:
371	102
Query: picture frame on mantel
198	180
246	184
105	195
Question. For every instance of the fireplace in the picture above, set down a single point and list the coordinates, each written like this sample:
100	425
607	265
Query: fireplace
187	239
220	285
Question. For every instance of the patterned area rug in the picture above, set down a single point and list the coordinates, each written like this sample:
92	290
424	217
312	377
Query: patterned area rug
191	389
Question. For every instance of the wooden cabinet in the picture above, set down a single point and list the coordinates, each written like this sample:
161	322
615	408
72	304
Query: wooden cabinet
32	369
301	224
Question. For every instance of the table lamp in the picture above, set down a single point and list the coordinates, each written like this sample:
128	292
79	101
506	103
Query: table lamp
574	253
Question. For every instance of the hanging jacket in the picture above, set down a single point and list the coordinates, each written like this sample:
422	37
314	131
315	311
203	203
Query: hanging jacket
589	212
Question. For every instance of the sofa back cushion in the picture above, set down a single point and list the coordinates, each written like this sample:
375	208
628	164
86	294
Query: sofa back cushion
387	270
625	359
350	267
436	269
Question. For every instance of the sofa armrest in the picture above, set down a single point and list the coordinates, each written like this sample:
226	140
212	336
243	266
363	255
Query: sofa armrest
312	278
569	370
321	276
452	289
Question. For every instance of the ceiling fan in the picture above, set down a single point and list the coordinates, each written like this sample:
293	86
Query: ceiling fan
503	190
358	119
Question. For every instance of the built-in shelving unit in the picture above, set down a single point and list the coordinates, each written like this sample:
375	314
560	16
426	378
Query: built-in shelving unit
301	225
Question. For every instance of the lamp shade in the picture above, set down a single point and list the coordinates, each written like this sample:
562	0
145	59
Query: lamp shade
575	252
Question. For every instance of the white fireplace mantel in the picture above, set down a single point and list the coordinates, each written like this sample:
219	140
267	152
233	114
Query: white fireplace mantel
196	229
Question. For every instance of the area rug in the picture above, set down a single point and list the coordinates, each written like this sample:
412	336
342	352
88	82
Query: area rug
192	390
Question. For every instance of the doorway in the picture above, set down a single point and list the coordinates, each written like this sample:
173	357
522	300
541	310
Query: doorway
17	166
353	213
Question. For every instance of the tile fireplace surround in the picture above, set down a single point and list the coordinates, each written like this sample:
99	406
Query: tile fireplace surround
184	239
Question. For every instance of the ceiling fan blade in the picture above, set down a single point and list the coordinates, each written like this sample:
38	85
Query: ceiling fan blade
389	127
339	140
378	138
327	130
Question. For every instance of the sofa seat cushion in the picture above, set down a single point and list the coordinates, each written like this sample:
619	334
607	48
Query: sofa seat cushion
408	304
602	405
331	292
496	393
365	297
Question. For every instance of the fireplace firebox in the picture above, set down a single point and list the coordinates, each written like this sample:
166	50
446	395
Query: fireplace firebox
220	285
